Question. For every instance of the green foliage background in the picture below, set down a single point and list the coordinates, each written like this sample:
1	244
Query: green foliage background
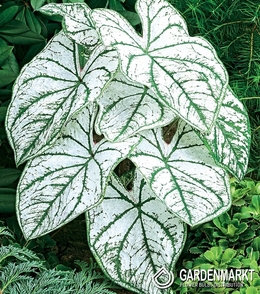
233	27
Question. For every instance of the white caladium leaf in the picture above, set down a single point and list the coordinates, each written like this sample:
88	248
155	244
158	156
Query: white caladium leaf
68	178
77	24
51	88
183	174
229	141
127	108
132	235
183	71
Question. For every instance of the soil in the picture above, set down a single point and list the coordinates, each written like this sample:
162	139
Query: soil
71	245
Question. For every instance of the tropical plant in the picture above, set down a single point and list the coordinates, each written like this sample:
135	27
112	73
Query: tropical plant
101	92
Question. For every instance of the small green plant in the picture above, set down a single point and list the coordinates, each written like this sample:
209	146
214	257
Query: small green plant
22	271
101	92
222	244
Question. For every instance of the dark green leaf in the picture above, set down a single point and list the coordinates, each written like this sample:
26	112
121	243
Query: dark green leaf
36	4
116	5
97	3
2	133
21	16
33	51
18	33
2	118
130	3
8	14
5	94
4	51
8	176
7	200
9	71
132	17
32	21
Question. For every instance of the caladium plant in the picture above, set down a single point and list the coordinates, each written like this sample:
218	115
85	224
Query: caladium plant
101	92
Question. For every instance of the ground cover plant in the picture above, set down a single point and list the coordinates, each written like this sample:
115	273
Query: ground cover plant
22	271
229	241
104	107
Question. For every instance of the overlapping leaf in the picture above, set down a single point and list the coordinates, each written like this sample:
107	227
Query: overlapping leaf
67	179
183	71
229	140
133	235
77	24
9	71
183	174
127	107
50	89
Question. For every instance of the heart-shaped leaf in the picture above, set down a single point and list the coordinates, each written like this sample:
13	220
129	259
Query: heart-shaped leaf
77	24
51	88
133	235
183	71
183	174
127	108
229	141
67	179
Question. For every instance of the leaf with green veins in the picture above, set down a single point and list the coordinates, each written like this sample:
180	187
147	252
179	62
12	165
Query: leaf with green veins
127	108
77	24
183	71
69	178
133	235
50	89
183	174
229	141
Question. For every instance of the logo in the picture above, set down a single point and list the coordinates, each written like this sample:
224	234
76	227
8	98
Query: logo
163	279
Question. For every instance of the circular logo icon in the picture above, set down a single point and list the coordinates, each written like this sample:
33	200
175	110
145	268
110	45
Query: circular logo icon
163	279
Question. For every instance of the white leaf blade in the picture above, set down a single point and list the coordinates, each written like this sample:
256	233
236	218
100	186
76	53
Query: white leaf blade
230	138
183	71
68	178
127	108
183	174
77	24
132	236
152	19
50	89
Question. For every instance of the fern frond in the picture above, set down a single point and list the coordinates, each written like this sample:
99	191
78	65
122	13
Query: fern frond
12	272
22	254
46	282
